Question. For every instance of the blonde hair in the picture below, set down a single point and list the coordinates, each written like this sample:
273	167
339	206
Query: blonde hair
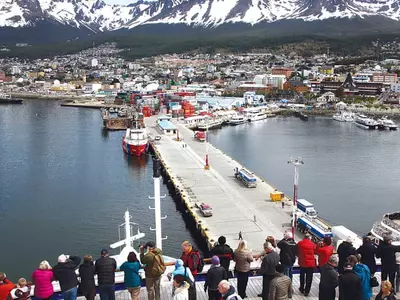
44	265
22	282
242	246
387	285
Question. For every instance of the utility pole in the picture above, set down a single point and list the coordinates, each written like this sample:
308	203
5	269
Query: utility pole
207	166
296	163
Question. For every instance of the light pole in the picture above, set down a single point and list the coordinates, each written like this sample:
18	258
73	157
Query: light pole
207	166
296	162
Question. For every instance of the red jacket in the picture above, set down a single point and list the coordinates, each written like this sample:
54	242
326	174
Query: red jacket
324	253
5	288
306	251
191	260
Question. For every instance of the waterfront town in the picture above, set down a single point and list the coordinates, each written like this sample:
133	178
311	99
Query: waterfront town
99	73
197	89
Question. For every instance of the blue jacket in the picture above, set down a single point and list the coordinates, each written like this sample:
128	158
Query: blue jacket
180	270
131	274
365	275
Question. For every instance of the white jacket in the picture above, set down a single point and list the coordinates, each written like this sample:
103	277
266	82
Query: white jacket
182	293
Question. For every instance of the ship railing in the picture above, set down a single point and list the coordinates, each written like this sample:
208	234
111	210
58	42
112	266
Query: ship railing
391	224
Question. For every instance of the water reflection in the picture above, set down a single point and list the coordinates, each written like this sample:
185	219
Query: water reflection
105	133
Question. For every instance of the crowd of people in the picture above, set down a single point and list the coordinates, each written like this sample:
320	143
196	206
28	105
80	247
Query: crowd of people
351	270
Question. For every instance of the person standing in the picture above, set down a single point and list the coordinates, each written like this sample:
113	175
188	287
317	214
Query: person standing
387	254
191	259
64	272
267	269
131	275
386	292
42	279
306	252
324	251
329	280
6	286
105	269
180	288
344	250
240	235
87	270
397	288
349	284
227	291
154	268
281	286
215	275
224	252
364	273
287	256
368	251
243	258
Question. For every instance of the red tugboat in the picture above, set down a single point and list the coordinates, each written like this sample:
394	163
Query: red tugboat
200	135
135	141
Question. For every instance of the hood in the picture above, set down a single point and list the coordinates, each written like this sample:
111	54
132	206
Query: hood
230	292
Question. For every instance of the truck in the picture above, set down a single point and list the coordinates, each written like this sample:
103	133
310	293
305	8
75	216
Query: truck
307	208
246	177
314	226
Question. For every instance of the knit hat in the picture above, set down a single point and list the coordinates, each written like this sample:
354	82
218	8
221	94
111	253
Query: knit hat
62	258
178	263
222	240
215	260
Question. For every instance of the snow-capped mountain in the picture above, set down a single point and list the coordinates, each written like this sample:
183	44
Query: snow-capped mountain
96	15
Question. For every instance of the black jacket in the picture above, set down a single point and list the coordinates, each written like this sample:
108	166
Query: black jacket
65	273
350	286
390	297
268	264
225	254
214	277
86	272
329	277
288	252
368	252
344	250
105	270
387	253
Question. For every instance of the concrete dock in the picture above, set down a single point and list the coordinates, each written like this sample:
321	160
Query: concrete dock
235	207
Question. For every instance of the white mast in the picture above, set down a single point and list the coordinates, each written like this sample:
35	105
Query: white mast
127	218
157	203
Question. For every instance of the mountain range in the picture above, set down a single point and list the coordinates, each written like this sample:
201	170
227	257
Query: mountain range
88	17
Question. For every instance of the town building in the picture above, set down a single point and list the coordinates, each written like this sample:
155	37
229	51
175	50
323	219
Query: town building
282	71
352	88
384	77
295	85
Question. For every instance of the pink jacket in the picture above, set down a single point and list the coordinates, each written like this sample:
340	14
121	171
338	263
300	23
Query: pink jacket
42	280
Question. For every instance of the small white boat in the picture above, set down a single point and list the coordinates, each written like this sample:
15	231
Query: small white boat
236	120
386	124
257	116
210	124
343	116
365	122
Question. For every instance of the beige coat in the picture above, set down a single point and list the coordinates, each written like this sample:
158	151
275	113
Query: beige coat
243	260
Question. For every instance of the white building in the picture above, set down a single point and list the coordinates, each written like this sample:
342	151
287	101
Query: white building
15	70
93	62
91	87
395	87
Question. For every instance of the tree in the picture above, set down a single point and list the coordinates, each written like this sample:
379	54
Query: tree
339	93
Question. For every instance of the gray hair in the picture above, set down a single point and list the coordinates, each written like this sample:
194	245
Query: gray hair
333	260
308	236
225	284
268	245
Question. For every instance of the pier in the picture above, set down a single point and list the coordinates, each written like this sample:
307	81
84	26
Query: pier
235	207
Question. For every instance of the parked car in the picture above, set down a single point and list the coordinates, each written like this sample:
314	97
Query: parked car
206	210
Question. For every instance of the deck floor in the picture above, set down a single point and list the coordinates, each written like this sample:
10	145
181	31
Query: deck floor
253	289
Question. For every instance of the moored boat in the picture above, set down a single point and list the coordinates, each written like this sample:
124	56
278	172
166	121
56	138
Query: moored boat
365	122
386	124
236	120
135	141
7	99
209	124
301	115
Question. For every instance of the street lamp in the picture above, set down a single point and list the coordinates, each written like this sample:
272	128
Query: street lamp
296	162
207	166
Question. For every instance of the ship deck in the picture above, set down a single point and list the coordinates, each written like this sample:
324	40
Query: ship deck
253	289
235	207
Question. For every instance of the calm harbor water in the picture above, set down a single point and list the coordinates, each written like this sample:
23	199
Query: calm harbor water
65	183
350	174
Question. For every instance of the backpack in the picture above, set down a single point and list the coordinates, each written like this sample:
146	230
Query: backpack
158	267
200	264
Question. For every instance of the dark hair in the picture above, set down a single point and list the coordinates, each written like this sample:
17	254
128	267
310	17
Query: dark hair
179	279
366	239
280	268
327	241
221	240
353	260
132	257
